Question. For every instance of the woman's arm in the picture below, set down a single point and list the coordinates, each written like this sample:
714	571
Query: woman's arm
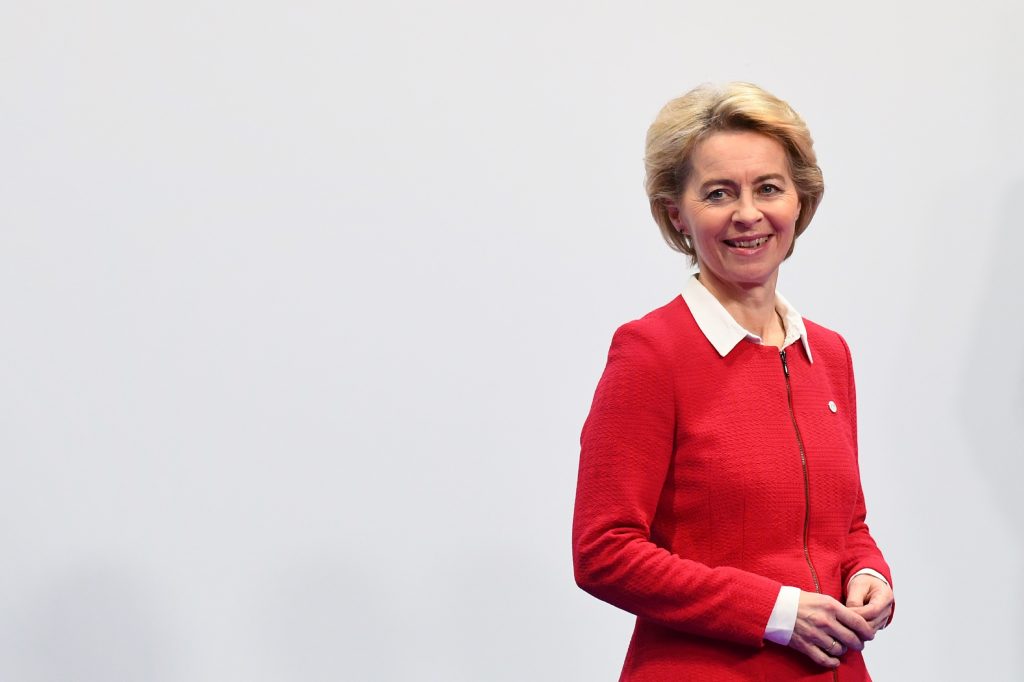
626	449
870	596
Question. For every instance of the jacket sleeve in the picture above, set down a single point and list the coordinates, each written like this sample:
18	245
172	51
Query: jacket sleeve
861	551
627	446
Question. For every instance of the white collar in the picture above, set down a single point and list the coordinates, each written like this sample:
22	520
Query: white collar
725	333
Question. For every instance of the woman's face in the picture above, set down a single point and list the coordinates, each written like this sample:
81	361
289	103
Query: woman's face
739	207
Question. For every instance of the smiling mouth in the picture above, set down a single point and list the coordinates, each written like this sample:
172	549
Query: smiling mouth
747	243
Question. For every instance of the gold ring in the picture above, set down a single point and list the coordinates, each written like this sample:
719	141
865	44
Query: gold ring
831	646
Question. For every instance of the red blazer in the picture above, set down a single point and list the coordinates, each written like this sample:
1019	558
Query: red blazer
706	484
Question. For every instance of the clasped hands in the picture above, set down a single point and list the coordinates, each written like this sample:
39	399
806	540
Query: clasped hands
825	629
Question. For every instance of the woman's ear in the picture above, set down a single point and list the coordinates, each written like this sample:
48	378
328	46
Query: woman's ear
675	216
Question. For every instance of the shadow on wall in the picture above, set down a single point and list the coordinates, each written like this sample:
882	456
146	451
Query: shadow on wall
992	389
94	625
322	617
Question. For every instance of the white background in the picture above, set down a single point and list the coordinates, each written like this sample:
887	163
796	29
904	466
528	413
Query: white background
302	305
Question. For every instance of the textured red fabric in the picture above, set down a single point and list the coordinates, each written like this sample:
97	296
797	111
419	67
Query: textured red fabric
690	503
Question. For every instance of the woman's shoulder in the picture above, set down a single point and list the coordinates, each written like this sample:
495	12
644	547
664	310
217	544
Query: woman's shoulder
661	333
664	322
826	343
820	330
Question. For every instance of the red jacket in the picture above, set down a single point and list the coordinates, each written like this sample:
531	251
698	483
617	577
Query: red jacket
693	496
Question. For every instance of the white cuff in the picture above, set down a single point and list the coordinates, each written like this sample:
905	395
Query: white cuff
783	618
868	571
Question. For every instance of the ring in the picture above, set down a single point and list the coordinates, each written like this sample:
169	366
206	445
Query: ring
830	646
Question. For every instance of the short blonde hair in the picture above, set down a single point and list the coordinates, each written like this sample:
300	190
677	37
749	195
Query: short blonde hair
686	121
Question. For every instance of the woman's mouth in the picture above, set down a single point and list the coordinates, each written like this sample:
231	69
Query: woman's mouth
747	243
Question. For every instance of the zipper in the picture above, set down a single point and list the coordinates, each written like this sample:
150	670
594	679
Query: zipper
807	480
807	484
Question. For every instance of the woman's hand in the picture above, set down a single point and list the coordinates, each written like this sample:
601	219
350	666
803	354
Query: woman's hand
871	598
825	629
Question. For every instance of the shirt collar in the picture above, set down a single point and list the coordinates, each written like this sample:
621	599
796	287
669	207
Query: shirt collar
725	333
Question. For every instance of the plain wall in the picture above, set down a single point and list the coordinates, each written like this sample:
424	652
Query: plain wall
302	305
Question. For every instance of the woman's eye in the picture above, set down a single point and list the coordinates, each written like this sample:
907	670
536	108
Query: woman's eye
715	195
770	189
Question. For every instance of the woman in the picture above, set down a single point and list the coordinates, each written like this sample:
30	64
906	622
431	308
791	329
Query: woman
719	497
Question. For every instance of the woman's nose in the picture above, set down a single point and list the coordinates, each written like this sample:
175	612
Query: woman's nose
747	212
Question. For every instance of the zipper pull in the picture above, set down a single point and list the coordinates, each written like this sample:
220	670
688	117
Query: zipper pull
785	367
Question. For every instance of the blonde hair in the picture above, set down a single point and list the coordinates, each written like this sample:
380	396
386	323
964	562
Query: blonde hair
686	121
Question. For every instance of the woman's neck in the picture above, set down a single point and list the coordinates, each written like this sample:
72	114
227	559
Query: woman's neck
753	307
